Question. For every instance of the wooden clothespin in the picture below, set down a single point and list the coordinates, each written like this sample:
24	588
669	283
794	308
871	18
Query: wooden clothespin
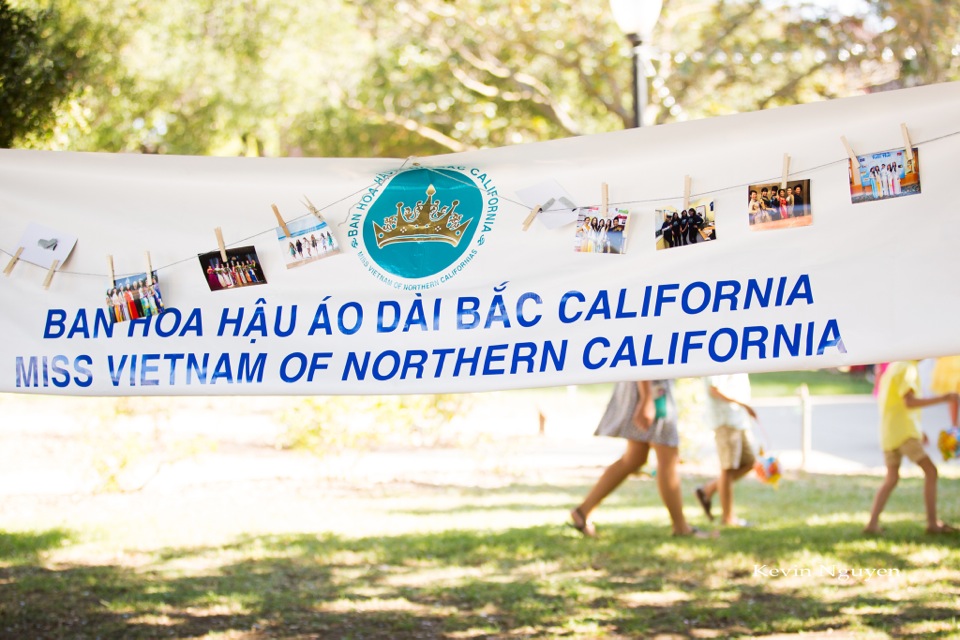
686	192
604	200
312	209
908	146
13	261
283	225
113	277
223	250
531	216
854	161
536	211
786	171
49	278
149	270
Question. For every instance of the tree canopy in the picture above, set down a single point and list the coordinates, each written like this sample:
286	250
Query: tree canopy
37	72
397	78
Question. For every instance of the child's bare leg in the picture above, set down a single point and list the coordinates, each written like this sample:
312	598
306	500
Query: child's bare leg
668	483
633	458
880	500
710	488
723	485
725	489
930	476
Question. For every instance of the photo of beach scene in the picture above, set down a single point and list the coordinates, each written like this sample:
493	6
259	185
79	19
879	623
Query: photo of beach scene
310	240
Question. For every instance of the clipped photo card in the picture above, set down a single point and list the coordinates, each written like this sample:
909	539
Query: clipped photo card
885	175
597	233
42	245
557	207
694	225
772	206
132	298
241	269
310	240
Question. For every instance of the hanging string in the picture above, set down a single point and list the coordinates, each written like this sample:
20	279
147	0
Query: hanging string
356	193
236	242
411	164
660	199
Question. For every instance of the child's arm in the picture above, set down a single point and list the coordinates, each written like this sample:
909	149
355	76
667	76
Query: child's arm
716	393
913	402
645	413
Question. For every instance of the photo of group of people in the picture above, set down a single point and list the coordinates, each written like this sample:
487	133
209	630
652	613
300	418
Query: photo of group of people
309	240
241	269
688	226
132	298
597	233
775	206
888	174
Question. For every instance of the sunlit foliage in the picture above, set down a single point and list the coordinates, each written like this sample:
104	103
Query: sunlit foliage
399	78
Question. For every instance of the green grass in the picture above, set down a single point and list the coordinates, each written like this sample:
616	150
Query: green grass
20	547
431	561
820	382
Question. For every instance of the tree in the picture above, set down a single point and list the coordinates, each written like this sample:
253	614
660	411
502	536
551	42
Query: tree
930	52
397	78
489	73
724	57
36	75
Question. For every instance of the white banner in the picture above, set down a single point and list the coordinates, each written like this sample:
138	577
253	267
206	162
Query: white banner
436	287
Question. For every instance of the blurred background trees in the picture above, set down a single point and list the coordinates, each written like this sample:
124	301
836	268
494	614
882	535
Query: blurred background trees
397	78
39	71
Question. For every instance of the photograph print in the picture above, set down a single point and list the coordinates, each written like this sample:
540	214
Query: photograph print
676	228
596	233
241	269
885	175
132	298
310	240
773	206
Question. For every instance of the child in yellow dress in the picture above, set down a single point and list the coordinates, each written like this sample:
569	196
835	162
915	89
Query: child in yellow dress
900	436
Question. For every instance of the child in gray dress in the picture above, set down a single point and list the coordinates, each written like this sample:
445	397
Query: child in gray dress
645	415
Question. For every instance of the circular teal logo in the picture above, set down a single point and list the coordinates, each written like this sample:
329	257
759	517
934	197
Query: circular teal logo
422	222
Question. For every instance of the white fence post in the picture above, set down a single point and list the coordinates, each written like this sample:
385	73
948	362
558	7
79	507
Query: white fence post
806	436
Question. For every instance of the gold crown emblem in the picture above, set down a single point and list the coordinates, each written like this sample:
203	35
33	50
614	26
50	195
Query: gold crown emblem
428	221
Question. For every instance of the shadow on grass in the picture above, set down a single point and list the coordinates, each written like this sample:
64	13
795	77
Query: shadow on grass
546	581
536	582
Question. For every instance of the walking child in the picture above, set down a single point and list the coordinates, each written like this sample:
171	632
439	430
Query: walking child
729	413
900	435
645	415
